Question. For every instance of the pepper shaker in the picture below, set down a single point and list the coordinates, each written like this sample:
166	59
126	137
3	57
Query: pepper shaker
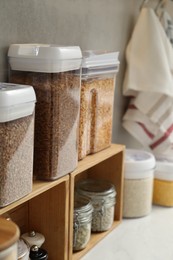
37	253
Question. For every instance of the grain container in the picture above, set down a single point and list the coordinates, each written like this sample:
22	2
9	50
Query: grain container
17	105
138	183
82	218
163	183
103	198
54	72
9	235
99	71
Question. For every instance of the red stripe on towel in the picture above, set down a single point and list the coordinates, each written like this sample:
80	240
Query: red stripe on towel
131	106
146	130
163	138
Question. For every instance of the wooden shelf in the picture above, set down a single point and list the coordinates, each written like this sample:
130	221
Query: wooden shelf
38	188
107	165
48	209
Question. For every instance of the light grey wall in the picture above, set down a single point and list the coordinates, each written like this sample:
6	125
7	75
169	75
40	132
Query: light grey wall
91	24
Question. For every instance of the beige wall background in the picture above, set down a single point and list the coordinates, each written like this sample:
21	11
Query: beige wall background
91	24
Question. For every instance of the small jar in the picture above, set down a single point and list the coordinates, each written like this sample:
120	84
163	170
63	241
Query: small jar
103	197
23	250
82	218
9	235
163	183
138	183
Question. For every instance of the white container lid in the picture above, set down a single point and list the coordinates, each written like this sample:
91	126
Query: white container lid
139	164
16	101
164	169
44	57
99	62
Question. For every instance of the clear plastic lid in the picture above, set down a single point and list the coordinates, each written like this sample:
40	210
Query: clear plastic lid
44	57
164	169
138	164
99	62
16	101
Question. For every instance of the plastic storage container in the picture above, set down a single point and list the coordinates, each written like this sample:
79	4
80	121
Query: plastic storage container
17	106
82	218
103	198
163	183
9	235
54	72
99	71
138	183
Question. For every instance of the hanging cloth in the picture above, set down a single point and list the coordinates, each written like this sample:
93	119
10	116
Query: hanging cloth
149	79
149	57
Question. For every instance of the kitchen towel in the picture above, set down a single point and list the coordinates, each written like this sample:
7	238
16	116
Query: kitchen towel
149	57
149	79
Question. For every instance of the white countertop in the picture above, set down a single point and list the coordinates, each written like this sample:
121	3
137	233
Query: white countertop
147	238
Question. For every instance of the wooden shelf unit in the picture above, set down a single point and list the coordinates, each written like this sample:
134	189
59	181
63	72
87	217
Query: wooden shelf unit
108	165
48	209
45	210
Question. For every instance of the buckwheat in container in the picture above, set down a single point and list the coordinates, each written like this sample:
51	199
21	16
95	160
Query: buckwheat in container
138	183
103	198
9	235
17	106
54	72
99	71
163	183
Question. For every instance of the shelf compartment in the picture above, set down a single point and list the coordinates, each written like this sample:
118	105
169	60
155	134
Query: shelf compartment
46	210
108	165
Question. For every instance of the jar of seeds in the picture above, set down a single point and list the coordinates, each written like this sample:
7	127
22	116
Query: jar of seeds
103	197
82	218
54	73
17	114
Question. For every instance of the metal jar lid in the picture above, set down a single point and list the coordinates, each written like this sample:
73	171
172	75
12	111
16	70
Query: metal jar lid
82	209
97	188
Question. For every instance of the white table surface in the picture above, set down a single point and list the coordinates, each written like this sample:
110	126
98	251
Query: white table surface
147	238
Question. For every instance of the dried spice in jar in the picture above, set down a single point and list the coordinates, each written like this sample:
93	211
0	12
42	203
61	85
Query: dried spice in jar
82	218
103	198
54	72
99	71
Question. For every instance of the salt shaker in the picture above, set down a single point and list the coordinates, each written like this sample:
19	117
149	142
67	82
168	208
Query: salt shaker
33	238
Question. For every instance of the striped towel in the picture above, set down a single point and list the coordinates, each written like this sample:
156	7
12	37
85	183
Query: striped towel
149	78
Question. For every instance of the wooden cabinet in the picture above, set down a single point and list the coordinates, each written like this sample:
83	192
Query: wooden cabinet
48	209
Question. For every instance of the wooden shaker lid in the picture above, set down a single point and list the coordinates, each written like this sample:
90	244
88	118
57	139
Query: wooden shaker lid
9	233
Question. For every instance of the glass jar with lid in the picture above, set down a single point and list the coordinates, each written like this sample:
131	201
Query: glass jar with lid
103	197
82	218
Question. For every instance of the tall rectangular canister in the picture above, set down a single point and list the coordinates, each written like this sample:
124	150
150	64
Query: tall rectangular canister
99	71
17	107
54	72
